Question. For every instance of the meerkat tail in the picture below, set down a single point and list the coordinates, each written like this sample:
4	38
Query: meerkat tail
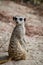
6	60
3	61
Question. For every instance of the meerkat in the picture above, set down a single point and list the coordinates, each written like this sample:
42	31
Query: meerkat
16	49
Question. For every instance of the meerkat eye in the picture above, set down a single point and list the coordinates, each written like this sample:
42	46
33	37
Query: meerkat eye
20	19
14	18
24	19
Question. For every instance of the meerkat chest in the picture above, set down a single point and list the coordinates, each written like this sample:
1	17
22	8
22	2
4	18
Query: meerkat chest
20	31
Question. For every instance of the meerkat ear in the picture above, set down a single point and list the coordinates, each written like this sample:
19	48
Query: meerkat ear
24	19
14	18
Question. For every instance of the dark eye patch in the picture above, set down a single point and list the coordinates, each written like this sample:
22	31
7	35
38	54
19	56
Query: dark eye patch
14	18
24	19
20	19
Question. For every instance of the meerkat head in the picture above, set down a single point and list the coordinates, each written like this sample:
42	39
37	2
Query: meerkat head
19	19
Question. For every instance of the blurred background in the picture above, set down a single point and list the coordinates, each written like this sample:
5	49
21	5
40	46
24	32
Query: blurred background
34	2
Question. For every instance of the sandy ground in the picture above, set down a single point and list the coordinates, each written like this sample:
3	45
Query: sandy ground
34	31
